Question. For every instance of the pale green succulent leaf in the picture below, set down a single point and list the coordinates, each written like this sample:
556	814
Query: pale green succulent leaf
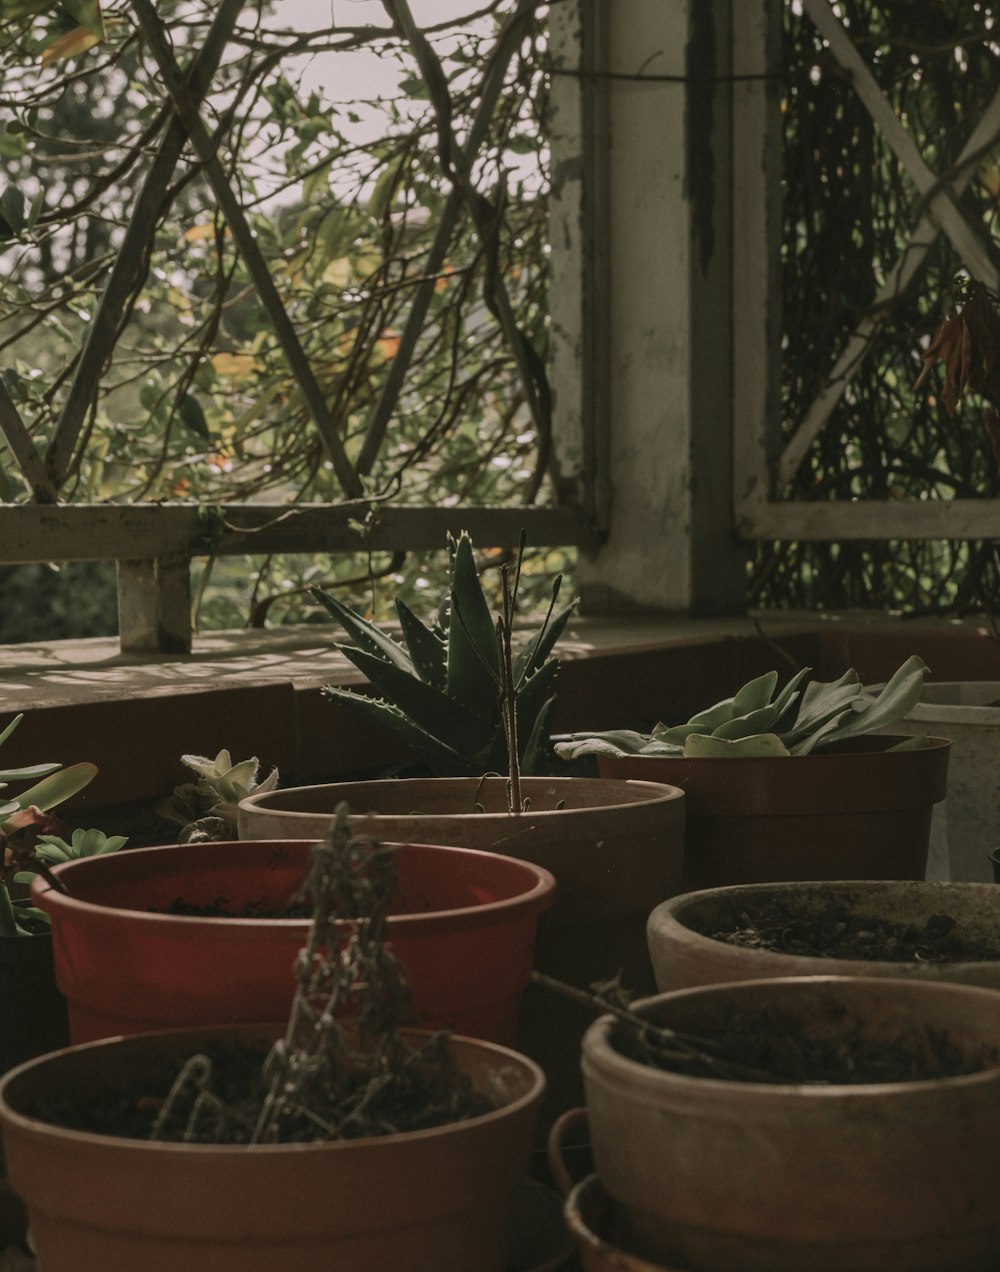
702	746
755	694
745	726
896	699
713	716
8	729
57	787
31	773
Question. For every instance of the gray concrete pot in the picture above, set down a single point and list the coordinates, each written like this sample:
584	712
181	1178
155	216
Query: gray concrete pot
685	955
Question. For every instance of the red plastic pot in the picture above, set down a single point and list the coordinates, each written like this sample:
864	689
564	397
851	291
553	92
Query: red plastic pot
464	932
433	1199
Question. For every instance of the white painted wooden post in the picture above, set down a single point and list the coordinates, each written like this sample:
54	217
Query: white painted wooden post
662	208
154	606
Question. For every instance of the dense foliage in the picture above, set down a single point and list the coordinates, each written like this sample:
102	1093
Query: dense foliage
936	62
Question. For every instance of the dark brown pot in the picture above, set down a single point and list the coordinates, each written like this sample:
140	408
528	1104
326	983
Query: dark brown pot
436	1199
858	814
32	1010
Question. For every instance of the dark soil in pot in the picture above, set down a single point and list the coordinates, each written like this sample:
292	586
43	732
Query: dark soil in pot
831	929
763	1046
433	1096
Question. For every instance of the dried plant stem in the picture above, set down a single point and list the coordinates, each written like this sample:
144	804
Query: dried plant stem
660	1045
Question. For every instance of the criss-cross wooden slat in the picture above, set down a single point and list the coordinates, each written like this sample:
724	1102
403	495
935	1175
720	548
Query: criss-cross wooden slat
942	214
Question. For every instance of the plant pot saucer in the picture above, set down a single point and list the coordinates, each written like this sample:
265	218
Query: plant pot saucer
537	1238
601	1229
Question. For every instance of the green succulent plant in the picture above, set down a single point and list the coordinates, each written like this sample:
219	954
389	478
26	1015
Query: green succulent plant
23	819
207	809
440	690
756	721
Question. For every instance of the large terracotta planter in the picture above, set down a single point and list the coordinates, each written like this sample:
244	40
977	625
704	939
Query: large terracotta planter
752	1177
464	931
616	848
685	953
435	1199
858	814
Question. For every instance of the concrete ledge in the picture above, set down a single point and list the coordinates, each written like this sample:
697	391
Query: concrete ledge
259	693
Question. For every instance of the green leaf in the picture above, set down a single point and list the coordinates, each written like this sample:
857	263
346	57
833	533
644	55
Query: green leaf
473	661
193	417
364	634
615	742
12	206
895	701
535	757
541	644
426	648
704	746
755	695
9	728
429	708
383	715
29	774
713	716
58	787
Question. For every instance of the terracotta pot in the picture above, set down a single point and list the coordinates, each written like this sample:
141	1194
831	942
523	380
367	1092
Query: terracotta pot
858	814
465	936
685	953
599	1227
754	1177
615	848
436	1199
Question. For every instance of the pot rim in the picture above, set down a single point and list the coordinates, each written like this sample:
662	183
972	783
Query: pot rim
656	793
619	1070
671	912
505	1056
539	896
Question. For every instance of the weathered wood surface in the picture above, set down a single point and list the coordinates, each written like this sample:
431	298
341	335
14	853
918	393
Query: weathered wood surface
106	532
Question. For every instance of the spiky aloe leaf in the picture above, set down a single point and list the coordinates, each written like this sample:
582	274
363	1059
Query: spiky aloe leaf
540	646
52	790
426	647
532	698
535	756
365	634
473	660
429	708
383	715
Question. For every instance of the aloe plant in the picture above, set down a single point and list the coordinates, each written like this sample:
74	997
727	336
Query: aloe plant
22	820
801	718
441	689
